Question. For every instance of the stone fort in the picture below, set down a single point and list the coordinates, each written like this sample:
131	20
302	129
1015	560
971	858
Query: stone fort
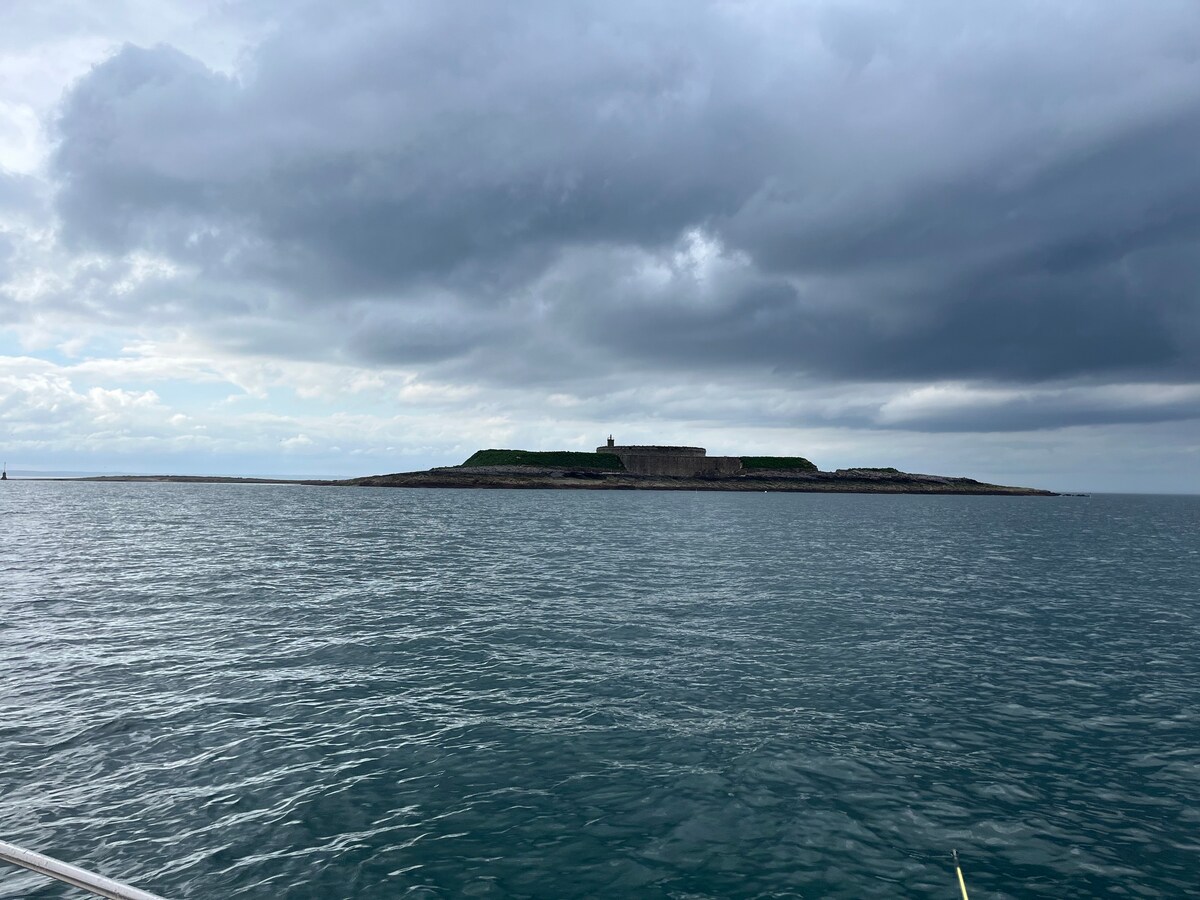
681	462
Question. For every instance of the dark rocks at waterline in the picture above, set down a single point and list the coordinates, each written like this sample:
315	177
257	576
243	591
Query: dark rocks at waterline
866	481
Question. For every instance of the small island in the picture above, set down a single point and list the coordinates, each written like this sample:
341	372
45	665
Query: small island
666	468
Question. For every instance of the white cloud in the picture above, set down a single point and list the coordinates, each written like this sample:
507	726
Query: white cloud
297	442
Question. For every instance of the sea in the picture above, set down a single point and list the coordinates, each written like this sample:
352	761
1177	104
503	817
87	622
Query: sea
274	691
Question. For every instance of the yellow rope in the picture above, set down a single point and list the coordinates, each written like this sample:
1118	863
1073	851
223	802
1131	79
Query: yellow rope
962	885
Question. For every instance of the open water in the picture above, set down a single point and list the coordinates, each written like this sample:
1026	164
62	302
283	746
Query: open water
222	691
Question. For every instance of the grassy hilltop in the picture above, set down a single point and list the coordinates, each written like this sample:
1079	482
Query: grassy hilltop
550	459
777	462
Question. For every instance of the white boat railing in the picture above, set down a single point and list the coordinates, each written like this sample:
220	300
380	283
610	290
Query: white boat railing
73	875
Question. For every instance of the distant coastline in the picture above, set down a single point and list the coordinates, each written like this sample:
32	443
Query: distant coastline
649	468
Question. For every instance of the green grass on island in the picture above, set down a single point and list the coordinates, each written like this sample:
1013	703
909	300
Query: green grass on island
777	462
552	459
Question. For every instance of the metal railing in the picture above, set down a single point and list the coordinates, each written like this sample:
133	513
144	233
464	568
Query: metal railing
73	875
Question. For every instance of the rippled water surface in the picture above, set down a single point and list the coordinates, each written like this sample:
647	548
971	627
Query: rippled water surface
218	691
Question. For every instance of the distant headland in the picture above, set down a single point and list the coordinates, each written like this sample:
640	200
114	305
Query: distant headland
631	467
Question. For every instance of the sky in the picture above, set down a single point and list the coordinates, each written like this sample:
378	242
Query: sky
330	239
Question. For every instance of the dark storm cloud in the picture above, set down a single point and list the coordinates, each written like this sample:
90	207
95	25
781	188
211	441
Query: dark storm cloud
399	147
892	194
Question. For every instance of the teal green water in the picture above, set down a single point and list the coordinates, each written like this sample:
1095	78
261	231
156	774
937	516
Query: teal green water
220	691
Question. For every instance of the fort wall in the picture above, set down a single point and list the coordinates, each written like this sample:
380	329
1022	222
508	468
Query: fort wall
677	462
681	466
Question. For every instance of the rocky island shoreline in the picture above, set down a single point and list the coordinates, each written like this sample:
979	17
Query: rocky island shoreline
856	481
615	467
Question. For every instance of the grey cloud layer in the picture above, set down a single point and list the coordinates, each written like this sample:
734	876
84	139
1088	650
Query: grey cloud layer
887	192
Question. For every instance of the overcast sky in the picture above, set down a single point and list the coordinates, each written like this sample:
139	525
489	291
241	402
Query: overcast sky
349	238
